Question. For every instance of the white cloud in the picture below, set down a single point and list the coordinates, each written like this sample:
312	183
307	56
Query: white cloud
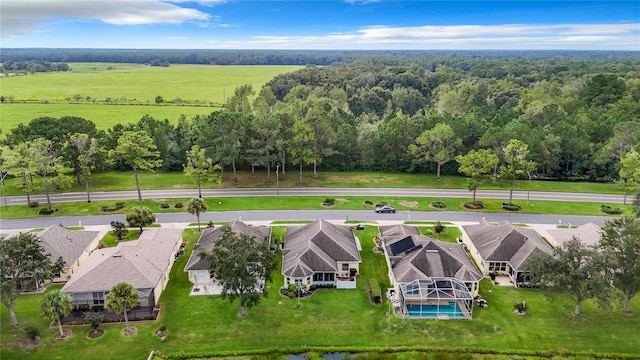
623	36
20	17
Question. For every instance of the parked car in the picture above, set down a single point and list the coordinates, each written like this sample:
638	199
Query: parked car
385	209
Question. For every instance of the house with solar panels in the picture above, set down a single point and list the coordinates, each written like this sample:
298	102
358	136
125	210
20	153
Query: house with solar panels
430	278
321	254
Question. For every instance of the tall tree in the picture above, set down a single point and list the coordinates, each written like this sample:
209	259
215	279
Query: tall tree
87	150
301	148
516	163
121	298
438	145
140	216
620	242
200	166
195	207
239	102
48	164
242	265
630	173
21	163
574	268
23	261
56	305
136	150
477	165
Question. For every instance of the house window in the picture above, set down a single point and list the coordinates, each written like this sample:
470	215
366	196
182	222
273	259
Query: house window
98	298
318	277
345	267
413	289
497	266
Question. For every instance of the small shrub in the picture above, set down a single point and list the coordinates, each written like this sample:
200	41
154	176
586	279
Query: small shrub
119	205
609	210
104	208
511	207
439	228
164	205
45	211
521	307
381	204
94	319
439	205
179	205
33	332
368	202
162	327
329	201
33	204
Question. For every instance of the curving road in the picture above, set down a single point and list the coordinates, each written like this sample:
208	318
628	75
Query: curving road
252	192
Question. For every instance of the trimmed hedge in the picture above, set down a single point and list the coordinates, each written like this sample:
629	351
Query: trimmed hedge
511	207
439	204
474	205
611	211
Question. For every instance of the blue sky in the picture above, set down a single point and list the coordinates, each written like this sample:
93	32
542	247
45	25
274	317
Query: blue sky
325	24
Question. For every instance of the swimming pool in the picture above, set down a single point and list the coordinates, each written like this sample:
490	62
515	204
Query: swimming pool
452	310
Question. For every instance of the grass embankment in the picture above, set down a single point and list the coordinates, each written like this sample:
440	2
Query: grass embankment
135	84
205	325
114	181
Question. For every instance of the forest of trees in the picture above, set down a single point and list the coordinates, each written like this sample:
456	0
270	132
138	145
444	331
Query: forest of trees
574	118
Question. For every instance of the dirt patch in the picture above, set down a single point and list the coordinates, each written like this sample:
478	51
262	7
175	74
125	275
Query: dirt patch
327	205
65	335
409	204
340	200
28	344
130	331
94	334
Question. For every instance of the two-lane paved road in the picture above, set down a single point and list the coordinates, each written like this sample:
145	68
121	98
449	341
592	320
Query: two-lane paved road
378	192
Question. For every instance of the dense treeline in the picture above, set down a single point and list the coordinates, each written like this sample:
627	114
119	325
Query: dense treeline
572	119
295	57
33	66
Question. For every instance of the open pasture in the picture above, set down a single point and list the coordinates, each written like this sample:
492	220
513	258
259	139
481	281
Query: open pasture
208	85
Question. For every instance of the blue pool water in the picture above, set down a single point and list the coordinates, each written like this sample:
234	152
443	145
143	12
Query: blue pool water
452	309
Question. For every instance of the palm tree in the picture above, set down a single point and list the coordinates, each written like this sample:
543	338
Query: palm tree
120	298
195	207
56	305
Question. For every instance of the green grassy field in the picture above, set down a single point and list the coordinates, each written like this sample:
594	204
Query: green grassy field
133	83
337	319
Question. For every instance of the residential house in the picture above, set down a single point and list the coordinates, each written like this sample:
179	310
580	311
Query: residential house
198	269
73	246
430	278
503	249
322	254
588	233
144	263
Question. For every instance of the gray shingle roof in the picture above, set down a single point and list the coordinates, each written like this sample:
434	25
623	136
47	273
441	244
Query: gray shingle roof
391	231
317	247
431	258
140	263
60	242
210	235
588	233
505	242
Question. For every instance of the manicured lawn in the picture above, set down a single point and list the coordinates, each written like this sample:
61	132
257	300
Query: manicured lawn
449	234
307	203
335	318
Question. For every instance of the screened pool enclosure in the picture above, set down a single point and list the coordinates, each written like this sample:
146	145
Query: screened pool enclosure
436	298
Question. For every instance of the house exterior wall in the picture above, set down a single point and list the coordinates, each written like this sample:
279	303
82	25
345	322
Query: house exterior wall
484	266
200	277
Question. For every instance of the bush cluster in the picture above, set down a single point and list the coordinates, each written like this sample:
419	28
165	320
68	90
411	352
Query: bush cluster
521	307
438	227
329	201
46	211
179	205
33	332
609	210
33	204
164	205
368	202
118	206
291	291
474	205
511	207
439	204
